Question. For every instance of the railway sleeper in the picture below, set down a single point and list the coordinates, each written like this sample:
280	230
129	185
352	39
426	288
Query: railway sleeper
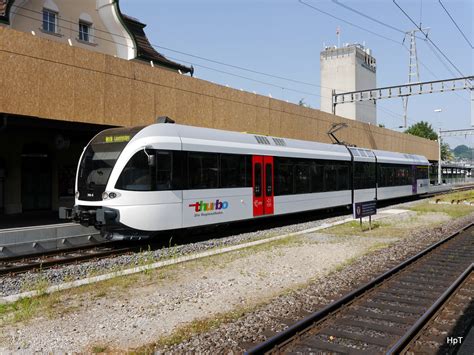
442	284
404	300
371	326
368	313
456	269
395	308
401	292
430	276
312	345
363	338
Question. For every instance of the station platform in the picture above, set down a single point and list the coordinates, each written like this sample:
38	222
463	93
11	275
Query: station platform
29	219
35	233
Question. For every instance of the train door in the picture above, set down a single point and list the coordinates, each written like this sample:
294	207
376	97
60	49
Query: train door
414	185
262	182
268	203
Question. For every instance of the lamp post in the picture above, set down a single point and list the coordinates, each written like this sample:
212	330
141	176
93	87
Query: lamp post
438	110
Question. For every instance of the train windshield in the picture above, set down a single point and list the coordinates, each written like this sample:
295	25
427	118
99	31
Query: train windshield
99	159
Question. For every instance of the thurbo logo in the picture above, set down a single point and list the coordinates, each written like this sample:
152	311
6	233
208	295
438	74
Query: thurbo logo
209	206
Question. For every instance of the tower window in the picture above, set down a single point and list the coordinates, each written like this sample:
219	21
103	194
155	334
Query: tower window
50	20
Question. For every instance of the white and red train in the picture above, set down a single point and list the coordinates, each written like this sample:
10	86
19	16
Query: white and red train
136	182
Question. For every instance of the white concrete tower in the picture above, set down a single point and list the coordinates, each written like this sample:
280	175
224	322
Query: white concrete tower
348	68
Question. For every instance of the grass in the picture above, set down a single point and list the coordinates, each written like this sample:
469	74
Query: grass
59	303
97	349
379	229
453	211
197	327
461	195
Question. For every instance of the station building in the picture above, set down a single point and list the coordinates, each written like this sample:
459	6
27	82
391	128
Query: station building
72	68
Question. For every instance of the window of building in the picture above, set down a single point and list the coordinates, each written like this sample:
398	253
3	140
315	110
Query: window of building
85	31
50	21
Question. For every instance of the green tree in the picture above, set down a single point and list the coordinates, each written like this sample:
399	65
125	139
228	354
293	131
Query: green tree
463	152
423	129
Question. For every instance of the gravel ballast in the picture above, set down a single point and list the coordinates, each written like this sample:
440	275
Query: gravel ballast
290	280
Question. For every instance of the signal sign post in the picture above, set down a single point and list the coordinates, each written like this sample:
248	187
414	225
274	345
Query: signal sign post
364	209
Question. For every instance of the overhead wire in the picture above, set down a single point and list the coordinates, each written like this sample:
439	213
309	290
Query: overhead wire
213	61
455	23
400	31
348	22
428	38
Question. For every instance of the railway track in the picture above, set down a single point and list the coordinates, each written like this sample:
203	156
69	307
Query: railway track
19	265
387	314
443	332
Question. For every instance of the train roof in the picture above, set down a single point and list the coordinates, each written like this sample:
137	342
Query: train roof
212	140
215	140
384	156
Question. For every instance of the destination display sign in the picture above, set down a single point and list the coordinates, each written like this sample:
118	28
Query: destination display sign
364	209
117	139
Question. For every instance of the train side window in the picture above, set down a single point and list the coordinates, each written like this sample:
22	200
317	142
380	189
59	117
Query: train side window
317	177
248	170
203	170
330	177
302	178
163	170
343	177
283	176
233	170
137	174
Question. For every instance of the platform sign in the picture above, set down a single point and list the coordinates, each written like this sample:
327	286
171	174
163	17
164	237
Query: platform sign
364	209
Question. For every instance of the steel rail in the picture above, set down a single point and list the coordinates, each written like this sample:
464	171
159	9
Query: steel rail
405	340
61	259
318	316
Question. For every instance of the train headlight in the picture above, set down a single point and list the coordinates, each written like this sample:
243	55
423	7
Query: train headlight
112	195
105	195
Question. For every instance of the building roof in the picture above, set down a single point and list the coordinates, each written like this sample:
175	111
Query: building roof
145	50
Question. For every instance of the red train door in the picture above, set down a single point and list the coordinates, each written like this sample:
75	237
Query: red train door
257	183
268	203
262	182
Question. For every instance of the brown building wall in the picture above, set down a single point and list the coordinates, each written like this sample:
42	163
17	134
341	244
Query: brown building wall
46	79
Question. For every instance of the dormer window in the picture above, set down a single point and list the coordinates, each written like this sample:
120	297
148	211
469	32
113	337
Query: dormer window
85	31
50	21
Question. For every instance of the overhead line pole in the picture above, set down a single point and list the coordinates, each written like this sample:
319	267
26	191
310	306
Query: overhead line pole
389	92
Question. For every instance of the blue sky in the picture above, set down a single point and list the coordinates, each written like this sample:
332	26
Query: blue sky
285	37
